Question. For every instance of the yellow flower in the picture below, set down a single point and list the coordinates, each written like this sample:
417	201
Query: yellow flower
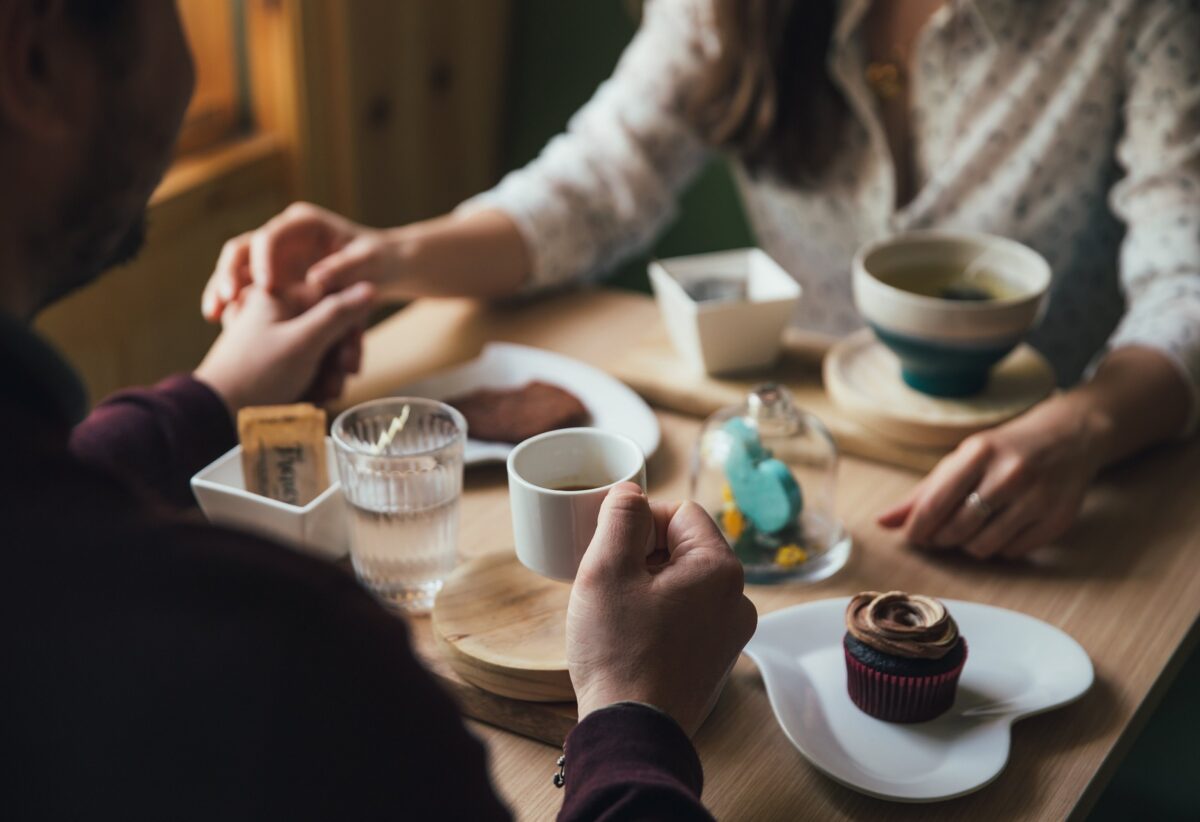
727	494
790	556
733	522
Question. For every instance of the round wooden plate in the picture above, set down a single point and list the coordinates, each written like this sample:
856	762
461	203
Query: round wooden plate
863	378
503	628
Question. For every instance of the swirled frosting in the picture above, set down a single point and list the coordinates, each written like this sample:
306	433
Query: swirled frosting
902	625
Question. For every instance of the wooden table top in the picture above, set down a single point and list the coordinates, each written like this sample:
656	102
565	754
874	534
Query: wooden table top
1125	583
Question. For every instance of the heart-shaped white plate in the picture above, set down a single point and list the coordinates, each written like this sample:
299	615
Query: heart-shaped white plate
1017	666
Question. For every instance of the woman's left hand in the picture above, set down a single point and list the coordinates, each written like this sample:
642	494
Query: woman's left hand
1012	489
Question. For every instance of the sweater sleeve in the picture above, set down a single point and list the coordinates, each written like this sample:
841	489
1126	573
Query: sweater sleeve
155	439
631	762
1159	196
604	189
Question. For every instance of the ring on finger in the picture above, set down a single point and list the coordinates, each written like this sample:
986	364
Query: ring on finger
979	505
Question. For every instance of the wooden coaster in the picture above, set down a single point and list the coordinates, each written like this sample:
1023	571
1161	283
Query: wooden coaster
863	378
503	628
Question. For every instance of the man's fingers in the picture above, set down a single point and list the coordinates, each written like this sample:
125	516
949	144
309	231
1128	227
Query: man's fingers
349	352
945	489
663	513
335	316
231	275
625	531
692	529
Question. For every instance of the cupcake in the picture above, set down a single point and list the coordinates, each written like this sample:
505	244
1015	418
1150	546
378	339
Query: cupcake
903	656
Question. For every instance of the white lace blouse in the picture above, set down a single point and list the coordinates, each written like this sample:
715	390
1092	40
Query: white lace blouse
1072	126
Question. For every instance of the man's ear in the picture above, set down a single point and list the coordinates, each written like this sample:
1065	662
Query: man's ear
43	76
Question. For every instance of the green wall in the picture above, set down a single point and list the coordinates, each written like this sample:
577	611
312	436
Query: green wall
562	50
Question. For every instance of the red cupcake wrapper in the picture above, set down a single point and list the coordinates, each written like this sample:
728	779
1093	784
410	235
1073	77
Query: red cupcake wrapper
894	698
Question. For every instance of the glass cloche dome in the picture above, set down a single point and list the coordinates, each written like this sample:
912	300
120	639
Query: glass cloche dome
766	470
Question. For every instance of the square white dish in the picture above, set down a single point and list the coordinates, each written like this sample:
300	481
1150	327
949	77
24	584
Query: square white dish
318	528
612	404
726	336
1016	666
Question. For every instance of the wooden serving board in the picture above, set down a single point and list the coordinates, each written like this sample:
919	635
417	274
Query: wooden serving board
653	369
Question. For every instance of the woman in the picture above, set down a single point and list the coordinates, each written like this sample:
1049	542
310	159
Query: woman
1072	127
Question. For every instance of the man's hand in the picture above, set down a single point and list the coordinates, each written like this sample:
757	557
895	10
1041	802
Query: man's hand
657	613
282	349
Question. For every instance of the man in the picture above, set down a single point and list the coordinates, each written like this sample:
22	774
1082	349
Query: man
158	668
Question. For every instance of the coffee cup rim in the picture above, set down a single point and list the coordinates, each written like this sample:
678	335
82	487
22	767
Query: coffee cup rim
598	433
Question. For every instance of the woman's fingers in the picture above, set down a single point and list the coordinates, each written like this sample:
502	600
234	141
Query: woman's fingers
1030	539
1004	481
1052	523
345	267
1006	526
946	488
897	515
282	251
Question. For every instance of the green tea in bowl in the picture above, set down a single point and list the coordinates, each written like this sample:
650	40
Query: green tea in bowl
948	281
950	305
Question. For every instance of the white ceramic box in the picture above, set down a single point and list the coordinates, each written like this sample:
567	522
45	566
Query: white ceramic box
318	528
725	336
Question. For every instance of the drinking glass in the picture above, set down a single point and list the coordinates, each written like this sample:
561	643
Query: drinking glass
401	465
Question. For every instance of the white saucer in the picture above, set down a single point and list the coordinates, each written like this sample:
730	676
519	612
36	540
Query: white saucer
1017	666
612	404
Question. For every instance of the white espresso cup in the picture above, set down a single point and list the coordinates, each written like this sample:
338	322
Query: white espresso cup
556	483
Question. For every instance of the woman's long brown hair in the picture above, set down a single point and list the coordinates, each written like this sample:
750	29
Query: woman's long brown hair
767	98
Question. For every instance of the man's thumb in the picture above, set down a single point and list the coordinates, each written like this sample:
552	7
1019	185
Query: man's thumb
335	316
624	531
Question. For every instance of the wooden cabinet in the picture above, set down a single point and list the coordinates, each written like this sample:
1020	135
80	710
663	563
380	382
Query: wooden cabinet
385	110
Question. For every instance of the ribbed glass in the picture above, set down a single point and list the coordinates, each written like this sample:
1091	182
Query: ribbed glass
402	495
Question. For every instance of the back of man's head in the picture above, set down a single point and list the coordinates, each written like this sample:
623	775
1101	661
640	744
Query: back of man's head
92	93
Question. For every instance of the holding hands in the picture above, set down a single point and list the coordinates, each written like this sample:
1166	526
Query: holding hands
303	247
280	349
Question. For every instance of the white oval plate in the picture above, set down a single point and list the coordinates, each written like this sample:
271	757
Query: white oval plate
1017	666
613	405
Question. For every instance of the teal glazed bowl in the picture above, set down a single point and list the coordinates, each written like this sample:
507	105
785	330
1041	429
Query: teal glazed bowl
947	347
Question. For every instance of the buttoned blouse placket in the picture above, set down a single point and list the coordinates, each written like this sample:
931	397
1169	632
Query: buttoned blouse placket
876	195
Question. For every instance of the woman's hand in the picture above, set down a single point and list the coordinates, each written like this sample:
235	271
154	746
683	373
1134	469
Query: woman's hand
481	254
303	244
280	349
1010	490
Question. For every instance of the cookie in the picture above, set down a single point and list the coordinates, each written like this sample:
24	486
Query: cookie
516	414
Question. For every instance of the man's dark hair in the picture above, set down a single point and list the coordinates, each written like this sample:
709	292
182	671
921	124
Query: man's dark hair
97	15
104	22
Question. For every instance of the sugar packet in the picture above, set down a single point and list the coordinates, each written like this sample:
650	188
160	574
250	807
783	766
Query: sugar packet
283	452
